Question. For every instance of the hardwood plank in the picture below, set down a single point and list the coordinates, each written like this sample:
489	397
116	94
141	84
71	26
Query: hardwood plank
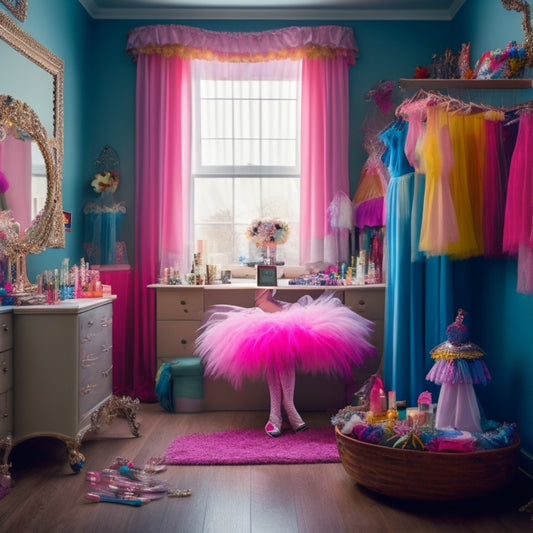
48	497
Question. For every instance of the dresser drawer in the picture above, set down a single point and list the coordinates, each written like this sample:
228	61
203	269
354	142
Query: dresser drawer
368	302
175	338
6	413
6	370
95	387
180	304
6	331
96	326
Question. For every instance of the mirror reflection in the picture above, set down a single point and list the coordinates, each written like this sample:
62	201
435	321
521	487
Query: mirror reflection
22	177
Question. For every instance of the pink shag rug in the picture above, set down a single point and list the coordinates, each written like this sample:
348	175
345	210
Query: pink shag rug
254	447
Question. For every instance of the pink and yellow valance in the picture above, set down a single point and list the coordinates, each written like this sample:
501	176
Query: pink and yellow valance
287	43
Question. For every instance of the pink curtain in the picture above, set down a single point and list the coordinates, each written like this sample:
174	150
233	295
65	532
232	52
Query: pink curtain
163	53
15	162
324	153
161	196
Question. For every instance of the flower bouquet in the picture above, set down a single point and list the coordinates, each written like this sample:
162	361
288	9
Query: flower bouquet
267	234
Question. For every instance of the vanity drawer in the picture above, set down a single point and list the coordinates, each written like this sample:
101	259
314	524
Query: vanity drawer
6	370
95	386
6	413
368	302
96	327
6	331
175	338
180	304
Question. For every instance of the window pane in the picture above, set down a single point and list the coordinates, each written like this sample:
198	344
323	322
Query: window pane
280	119
217	152
247	199
216	119
279	153
247	119
213	200
247	152
219	239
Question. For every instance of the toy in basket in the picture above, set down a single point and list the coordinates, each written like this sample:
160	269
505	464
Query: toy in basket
425	475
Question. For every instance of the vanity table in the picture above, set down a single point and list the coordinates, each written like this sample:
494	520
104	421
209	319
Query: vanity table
62	375
179	313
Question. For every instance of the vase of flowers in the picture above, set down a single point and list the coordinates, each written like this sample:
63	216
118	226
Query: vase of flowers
267	234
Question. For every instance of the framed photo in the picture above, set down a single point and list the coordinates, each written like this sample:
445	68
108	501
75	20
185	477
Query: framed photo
267	276
17	7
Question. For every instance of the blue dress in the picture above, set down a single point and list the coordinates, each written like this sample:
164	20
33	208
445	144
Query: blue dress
417	292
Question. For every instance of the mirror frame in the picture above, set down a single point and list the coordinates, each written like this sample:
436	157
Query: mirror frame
25	44
19	116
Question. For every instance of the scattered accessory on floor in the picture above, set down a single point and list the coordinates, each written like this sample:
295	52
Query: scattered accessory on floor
95	498
252	446
124	483
179	493
155	464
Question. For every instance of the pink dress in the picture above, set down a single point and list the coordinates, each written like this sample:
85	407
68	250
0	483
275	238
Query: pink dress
518	226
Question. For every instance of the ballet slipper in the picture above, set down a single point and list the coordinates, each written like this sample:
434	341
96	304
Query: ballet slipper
272	430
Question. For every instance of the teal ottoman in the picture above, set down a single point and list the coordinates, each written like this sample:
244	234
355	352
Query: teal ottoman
180	385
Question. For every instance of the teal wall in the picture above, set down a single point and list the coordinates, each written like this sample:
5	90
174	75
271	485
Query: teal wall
502	319
64	28
99	110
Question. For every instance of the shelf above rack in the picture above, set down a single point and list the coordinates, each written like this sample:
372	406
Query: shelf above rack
433	83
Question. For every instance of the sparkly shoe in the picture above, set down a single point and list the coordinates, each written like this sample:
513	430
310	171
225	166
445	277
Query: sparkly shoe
272	430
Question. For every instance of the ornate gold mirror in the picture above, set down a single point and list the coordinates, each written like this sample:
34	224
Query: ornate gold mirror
31	111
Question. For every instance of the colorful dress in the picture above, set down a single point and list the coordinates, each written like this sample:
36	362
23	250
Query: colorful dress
458	366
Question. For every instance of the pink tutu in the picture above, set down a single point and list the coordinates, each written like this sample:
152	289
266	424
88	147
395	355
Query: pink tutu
314	336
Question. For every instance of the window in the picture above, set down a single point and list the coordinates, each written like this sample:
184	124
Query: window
245	155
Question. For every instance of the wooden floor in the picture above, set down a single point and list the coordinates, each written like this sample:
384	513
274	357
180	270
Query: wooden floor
48	497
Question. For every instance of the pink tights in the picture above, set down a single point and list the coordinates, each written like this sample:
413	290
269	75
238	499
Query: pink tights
281	388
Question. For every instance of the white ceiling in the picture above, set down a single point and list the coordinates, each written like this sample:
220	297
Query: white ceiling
274	9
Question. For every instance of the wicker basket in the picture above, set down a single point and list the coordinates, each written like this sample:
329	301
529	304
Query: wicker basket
423	475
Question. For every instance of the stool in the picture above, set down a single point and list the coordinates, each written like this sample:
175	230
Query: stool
187	384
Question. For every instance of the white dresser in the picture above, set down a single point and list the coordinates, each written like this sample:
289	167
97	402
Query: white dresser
179	313
62	378
6	373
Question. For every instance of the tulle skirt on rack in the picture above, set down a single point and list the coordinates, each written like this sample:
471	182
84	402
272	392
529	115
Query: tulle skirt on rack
494	189
519	207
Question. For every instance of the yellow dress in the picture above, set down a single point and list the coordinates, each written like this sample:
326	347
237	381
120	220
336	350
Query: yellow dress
466	182
439	224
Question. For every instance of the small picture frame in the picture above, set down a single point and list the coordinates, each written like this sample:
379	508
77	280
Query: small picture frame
267	276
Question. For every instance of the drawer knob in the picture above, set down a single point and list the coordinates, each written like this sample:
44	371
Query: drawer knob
5	327
183	302
5	369
5	415
183	341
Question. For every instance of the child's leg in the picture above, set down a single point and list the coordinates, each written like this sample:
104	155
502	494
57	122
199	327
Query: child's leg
273	427
288	381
